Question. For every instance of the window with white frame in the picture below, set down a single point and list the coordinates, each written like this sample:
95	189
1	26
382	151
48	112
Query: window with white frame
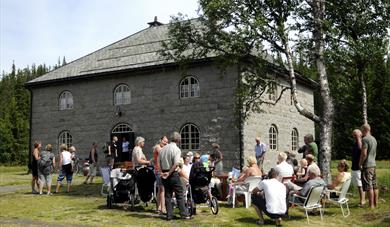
65	101
294	139
122	95
189	87
190	137
65	138
273	137
122	128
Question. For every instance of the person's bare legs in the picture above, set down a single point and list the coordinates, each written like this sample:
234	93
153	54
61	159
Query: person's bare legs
161	199
362	195
58	187
376	197
371	198
68	186
260	214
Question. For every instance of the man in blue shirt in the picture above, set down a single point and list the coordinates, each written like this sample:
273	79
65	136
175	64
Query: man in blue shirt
260	149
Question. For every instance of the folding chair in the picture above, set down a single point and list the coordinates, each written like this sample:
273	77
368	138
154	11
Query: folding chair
342	199
105	171
245	188
312	201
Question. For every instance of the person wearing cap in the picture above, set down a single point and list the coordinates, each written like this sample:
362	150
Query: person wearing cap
168	160
138	156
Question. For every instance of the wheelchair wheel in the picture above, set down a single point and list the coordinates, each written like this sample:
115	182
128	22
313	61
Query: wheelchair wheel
191	209
214	205
131	201
110	201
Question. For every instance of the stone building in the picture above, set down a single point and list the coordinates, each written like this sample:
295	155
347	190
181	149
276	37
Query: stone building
127	89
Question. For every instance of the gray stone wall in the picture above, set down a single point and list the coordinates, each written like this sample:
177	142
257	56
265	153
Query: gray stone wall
285	117
155	109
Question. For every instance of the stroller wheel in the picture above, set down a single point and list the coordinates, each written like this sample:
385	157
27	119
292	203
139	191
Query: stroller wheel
110	201
190	207
131	201
214	205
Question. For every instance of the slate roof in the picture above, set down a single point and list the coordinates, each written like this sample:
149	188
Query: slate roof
135	51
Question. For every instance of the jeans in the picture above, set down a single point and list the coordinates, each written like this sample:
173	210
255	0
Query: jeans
173	184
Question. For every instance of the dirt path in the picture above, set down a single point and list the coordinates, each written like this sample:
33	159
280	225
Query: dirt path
13	188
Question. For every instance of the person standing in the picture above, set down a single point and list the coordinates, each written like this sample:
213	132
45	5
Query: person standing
356	173
168	160
125	156
260	149
160	201
218	157
112	151
34	167
368	166
93	158
138	155
310	147
66	168
46	165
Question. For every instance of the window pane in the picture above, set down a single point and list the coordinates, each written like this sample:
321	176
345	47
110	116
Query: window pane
122	95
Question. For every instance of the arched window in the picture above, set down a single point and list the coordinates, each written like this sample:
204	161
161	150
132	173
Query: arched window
66	138
273	137
189	87
65	101
122	128
294	139
189	137
122	95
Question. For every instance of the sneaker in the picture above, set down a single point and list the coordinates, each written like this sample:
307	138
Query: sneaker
49	193
278	222
260	222
187	217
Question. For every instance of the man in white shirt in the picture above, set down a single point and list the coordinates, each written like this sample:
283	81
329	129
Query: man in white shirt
283	168
270	197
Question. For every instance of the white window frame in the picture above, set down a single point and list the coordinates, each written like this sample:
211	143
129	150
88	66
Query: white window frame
65	138
65	101
122	95
294	139
273	137
122	128
190	137
189	87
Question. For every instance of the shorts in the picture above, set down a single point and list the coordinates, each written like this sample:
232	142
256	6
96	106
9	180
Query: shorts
64	173
259	202
158	179
92	170
369	178
357	178
45	179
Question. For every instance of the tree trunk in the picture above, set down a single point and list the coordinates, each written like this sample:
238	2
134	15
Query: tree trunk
326	130
364	98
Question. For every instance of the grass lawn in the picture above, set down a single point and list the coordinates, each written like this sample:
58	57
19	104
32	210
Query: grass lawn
84	206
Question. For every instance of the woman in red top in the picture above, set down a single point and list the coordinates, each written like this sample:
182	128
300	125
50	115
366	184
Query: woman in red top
160	194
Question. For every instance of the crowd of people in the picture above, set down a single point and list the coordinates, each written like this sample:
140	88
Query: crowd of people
173	171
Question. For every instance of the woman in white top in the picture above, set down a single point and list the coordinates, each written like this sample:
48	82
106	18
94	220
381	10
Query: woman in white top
66	168
138	156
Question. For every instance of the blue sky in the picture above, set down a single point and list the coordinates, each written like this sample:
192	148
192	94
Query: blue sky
40	31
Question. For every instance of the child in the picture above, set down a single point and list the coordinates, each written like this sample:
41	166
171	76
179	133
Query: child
302	168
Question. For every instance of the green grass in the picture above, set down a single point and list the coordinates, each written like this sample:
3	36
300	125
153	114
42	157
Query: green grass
85	206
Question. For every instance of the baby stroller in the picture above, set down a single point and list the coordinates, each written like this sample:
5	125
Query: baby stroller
145	182
198	190
122	188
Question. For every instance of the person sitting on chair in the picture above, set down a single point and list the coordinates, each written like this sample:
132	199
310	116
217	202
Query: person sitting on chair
270	197
341	177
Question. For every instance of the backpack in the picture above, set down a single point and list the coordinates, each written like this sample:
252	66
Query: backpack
45	162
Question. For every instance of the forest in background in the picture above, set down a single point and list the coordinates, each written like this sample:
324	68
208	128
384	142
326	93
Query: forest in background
346	90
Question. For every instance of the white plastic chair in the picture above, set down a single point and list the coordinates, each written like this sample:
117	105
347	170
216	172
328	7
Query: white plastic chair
245	188
312	201
105	171
342	199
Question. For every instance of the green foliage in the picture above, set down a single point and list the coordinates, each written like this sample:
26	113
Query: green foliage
15	113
